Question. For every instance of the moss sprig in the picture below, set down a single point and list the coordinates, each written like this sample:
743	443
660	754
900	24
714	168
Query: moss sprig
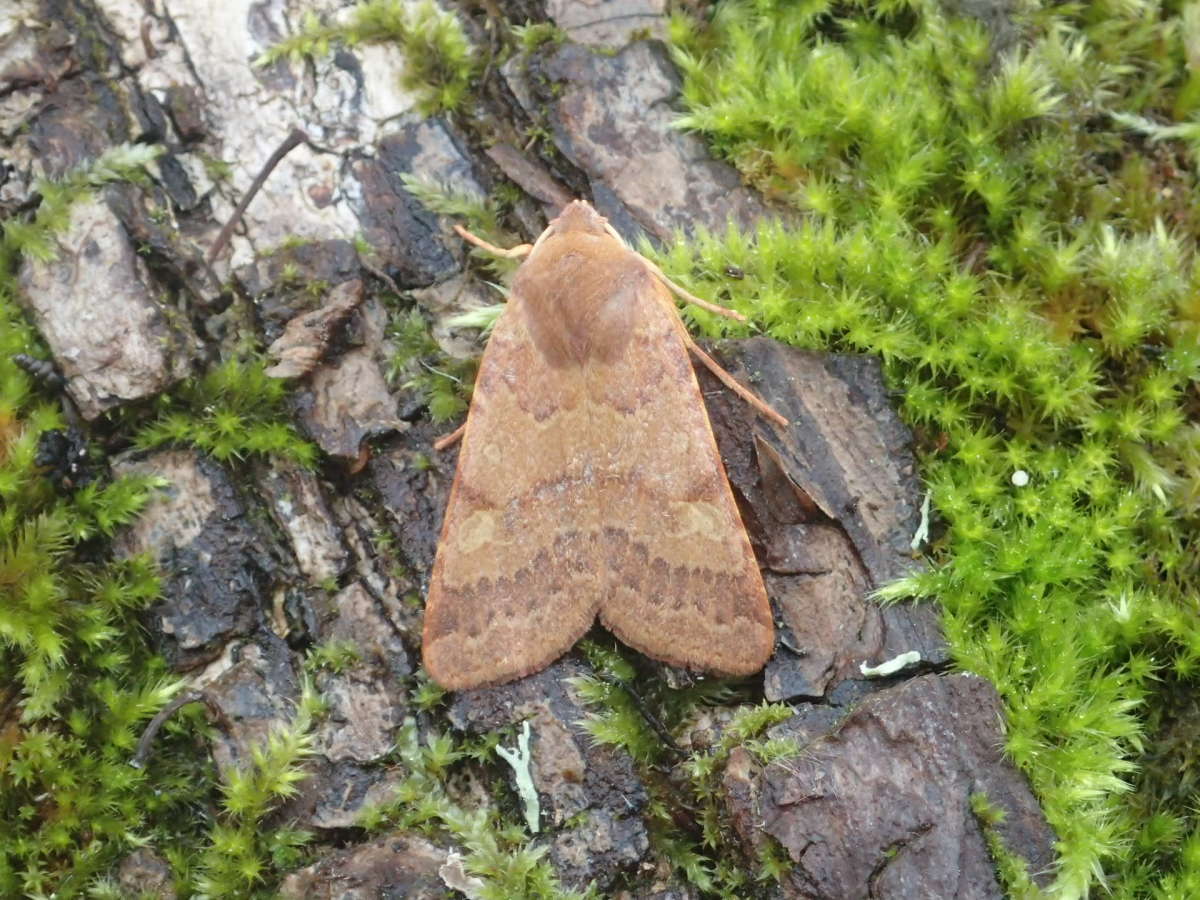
497	852
439	61
234	411
243	858
34	238
419	364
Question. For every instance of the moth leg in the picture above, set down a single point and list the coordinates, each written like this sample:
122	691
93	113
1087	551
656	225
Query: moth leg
511	253
449	440
732	383
692	298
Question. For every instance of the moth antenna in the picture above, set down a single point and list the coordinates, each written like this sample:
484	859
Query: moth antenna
616	234
511	253
692	298
449	440
732	383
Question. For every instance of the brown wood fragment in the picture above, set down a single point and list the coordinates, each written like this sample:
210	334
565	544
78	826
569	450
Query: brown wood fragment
306	338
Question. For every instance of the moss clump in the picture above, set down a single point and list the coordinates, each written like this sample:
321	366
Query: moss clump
78	681
419	364
439	63
480	216
243	857
443	383
644	716
35	238
497	852
1012	869
234	411
1023	263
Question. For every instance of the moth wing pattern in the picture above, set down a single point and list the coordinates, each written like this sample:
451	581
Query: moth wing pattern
515	581
589	483
681	581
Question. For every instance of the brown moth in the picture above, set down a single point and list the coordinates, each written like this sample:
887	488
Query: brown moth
589	482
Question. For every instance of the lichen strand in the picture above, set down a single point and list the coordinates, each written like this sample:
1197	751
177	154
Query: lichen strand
1003	229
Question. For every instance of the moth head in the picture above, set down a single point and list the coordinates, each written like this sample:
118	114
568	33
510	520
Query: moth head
579	217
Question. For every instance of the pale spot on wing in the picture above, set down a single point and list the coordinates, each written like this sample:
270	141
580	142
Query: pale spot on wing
474	531
699	518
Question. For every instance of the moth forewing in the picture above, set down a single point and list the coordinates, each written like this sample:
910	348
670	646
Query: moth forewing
589	483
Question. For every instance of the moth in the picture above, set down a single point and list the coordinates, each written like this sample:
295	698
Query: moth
589	483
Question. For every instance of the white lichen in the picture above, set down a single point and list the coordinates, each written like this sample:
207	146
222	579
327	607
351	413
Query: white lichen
454	875
891	666
520	760
922	535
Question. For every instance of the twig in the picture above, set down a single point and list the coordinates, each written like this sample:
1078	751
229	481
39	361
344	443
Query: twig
147	738
380	274
652	720
447	440
293	140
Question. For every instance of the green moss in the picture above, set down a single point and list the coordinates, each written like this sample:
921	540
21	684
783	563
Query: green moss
242	856
1014	238
420	365
78	680
427	695
773	861
532	35
480	216
235	411
334	655
495	849
218	170
981	227
439	62
34	238
1012	870
643	715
